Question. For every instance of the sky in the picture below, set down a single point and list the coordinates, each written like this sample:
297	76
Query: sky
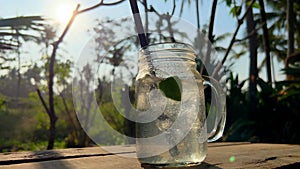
77	37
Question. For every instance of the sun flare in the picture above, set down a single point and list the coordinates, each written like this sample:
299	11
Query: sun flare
63	13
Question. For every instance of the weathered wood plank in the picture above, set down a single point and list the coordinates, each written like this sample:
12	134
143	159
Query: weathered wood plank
220	155
22	157
34	156
254	155
100	162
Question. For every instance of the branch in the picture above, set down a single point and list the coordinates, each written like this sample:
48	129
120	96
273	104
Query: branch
174	7
69	114
68	26
152	9
101	3
261	65
162	17
198	15
43	101
181	8
51	111
266	40
240	22
212	20
170	29
206	58
251	33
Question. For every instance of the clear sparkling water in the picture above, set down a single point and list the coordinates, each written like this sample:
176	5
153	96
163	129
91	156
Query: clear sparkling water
180	125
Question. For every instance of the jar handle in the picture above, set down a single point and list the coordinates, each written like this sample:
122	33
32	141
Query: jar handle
215	121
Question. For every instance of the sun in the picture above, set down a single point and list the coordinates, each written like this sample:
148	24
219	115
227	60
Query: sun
63	13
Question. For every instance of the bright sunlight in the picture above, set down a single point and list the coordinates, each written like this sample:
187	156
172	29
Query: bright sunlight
63	13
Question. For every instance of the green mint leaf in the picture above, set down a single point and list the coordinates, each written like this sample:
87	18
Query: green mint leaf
171	87
228	2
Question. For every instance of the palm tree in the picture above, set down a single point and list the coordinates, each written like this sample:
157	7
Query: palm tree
253	60
283	18
18	27
14	31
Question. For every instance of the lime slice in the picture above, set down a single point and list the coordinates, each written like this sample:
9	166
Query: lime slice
171	87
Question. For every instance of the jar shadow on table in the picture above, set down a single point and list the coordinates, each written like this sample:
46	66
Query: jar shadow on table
203	165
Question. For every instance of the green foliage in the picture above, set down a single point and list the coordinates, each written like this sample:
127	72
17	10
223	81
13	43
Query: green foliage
63	71
292	71
237	121
17	145
228	2
236	10
24	22
277	117
2	104
24	122
256	5
279	107
18	126
115	121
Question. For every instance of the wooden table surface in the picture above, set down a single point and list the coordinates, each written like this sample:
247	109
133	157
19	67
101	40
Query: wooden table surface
220	155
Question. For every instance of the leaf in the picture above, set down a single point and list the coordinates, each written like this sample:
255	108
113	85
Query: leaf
242	84
239	55
236	10
4	67
265	87
222	37
288	93
228	2
24	21
256	5
171	87
291	71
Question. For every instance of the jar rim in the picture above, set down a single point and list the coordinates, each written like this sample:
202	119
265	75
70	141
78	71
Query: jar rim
163	51
167	45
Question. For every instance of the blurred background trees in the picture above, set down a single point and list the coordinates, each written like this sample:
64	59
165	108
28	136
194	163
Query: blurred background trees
259	108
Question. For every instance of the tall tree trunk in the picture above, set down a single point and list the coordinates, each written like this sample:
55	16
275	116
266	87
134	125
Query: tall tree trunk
212	21
210	31
198	41
253	73
52	115
52	133
291	31
206	59
266	40
290	24
198	14
51	110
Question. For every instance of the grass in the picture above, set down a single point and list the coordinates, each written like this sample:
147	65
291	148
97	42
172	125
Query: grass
15	145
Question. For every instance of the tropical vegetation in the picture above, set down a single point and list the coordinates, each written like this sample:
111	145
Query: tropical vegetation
37	109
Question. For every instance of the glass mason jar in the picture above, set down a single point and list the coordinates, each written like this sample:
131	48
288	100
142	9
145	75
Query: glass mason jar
171	126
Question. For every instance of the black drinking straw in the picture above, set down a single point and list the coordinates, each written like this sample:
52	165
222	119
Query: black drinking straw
138	23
